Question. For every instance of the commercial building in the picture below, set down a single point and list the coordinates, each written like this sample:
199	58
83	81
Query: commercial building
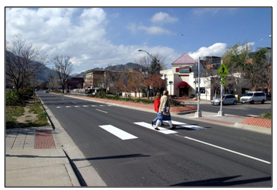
180	81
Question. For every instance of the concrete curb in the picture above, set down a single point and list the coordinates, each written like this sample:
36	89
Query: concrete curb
85	173
253	128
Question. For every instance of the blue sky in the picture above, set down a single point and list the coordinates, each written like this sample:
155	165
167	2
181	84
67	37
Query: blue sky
98	37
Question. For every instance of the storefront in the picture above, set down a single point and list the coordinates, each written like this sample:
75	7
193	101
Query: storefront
180	79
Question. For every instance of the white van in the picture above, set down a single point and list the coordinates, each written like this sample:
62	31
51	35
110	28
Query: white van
253	96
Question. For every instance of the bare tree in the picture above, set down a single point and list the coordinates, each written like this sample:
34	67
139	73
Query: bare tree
152	66
23	61
258	70
63	68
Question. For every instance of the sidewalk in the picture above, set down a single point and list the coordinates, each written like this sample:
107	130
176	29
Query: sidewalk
33	159
44	156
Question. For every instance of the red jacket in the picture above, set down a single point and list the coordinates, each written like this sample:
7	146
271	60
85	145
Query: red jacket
157	104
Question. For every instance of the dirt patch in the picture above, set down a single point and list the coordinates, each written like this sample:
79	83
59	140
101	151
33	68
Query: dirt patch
27	117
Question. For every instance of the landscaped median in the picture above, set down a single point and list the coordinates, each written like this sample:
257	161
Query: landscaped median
182	109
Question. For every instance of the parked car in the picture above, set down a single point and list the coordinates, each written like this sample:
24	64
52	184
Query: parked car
226	98
253	96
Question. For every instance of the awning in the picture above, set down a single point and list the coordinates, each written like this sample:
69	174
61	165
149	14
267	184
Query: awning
183	84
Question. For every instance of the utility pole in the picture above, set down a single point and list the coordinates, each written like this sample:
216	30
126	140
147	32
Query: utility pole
198	113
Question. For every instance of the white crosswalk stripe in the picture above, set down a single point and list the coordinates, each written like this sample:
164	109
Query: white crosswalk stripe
186	125
251	115
118	132
127	136
149	126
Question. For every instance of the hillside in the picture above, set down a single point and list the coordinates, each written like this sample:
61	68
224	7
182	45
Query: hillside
119	67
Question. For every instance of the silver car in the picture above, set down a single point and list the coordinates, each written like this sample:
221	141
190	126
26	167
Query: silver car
226	99
253	96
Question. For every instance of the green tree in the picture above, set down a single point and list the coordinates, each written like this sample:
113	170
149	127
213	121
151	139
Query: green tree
236	56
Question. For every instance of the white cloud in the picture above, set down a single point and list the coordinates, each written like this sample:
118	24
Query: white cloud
217	49
154	30
59	33
249	45
163	18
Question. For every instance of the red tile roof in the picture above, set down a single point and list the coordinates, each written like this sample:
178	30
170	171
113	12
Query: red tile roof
184	60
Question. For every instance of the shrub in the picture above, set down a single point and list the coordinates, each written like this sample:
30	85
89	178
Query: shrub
174	102
266	115
11	98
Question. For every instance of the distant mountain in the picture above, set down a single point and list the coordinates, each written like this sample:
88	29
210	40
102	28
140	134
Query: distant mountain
125	67
119	67
45	71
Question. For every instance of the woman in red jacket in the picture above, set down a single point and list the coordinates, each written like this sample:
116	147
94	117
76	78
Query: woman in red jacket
156	108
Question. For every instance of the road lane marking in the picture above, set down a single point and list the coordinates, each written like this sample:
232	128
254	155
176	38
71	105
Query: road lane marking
101	111
93	105
77	106
186	125
118	132
67	106
251	115
59	107
85	106
149	126
228	150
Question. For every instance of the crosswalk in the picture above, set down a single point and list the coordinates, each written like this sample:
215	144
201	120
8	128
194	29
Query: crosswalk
123	135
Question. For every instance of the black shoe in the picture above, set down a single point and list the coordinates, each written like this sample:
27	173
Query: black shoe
152	123
173	127
157	128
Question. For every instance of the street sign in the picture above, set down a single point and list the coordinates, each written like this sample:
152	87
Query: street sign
194	68
223	82
223	71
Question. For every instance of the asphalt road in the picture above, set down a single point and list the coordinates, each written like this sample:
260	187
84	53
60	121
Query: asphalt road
127	152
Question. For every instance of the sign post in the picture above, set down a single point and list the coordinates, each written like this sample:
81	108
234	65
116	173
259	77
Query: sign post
198	69
222	71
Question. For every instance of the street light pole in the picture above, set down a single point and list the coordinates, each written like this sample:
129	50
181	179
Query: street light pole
152	57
